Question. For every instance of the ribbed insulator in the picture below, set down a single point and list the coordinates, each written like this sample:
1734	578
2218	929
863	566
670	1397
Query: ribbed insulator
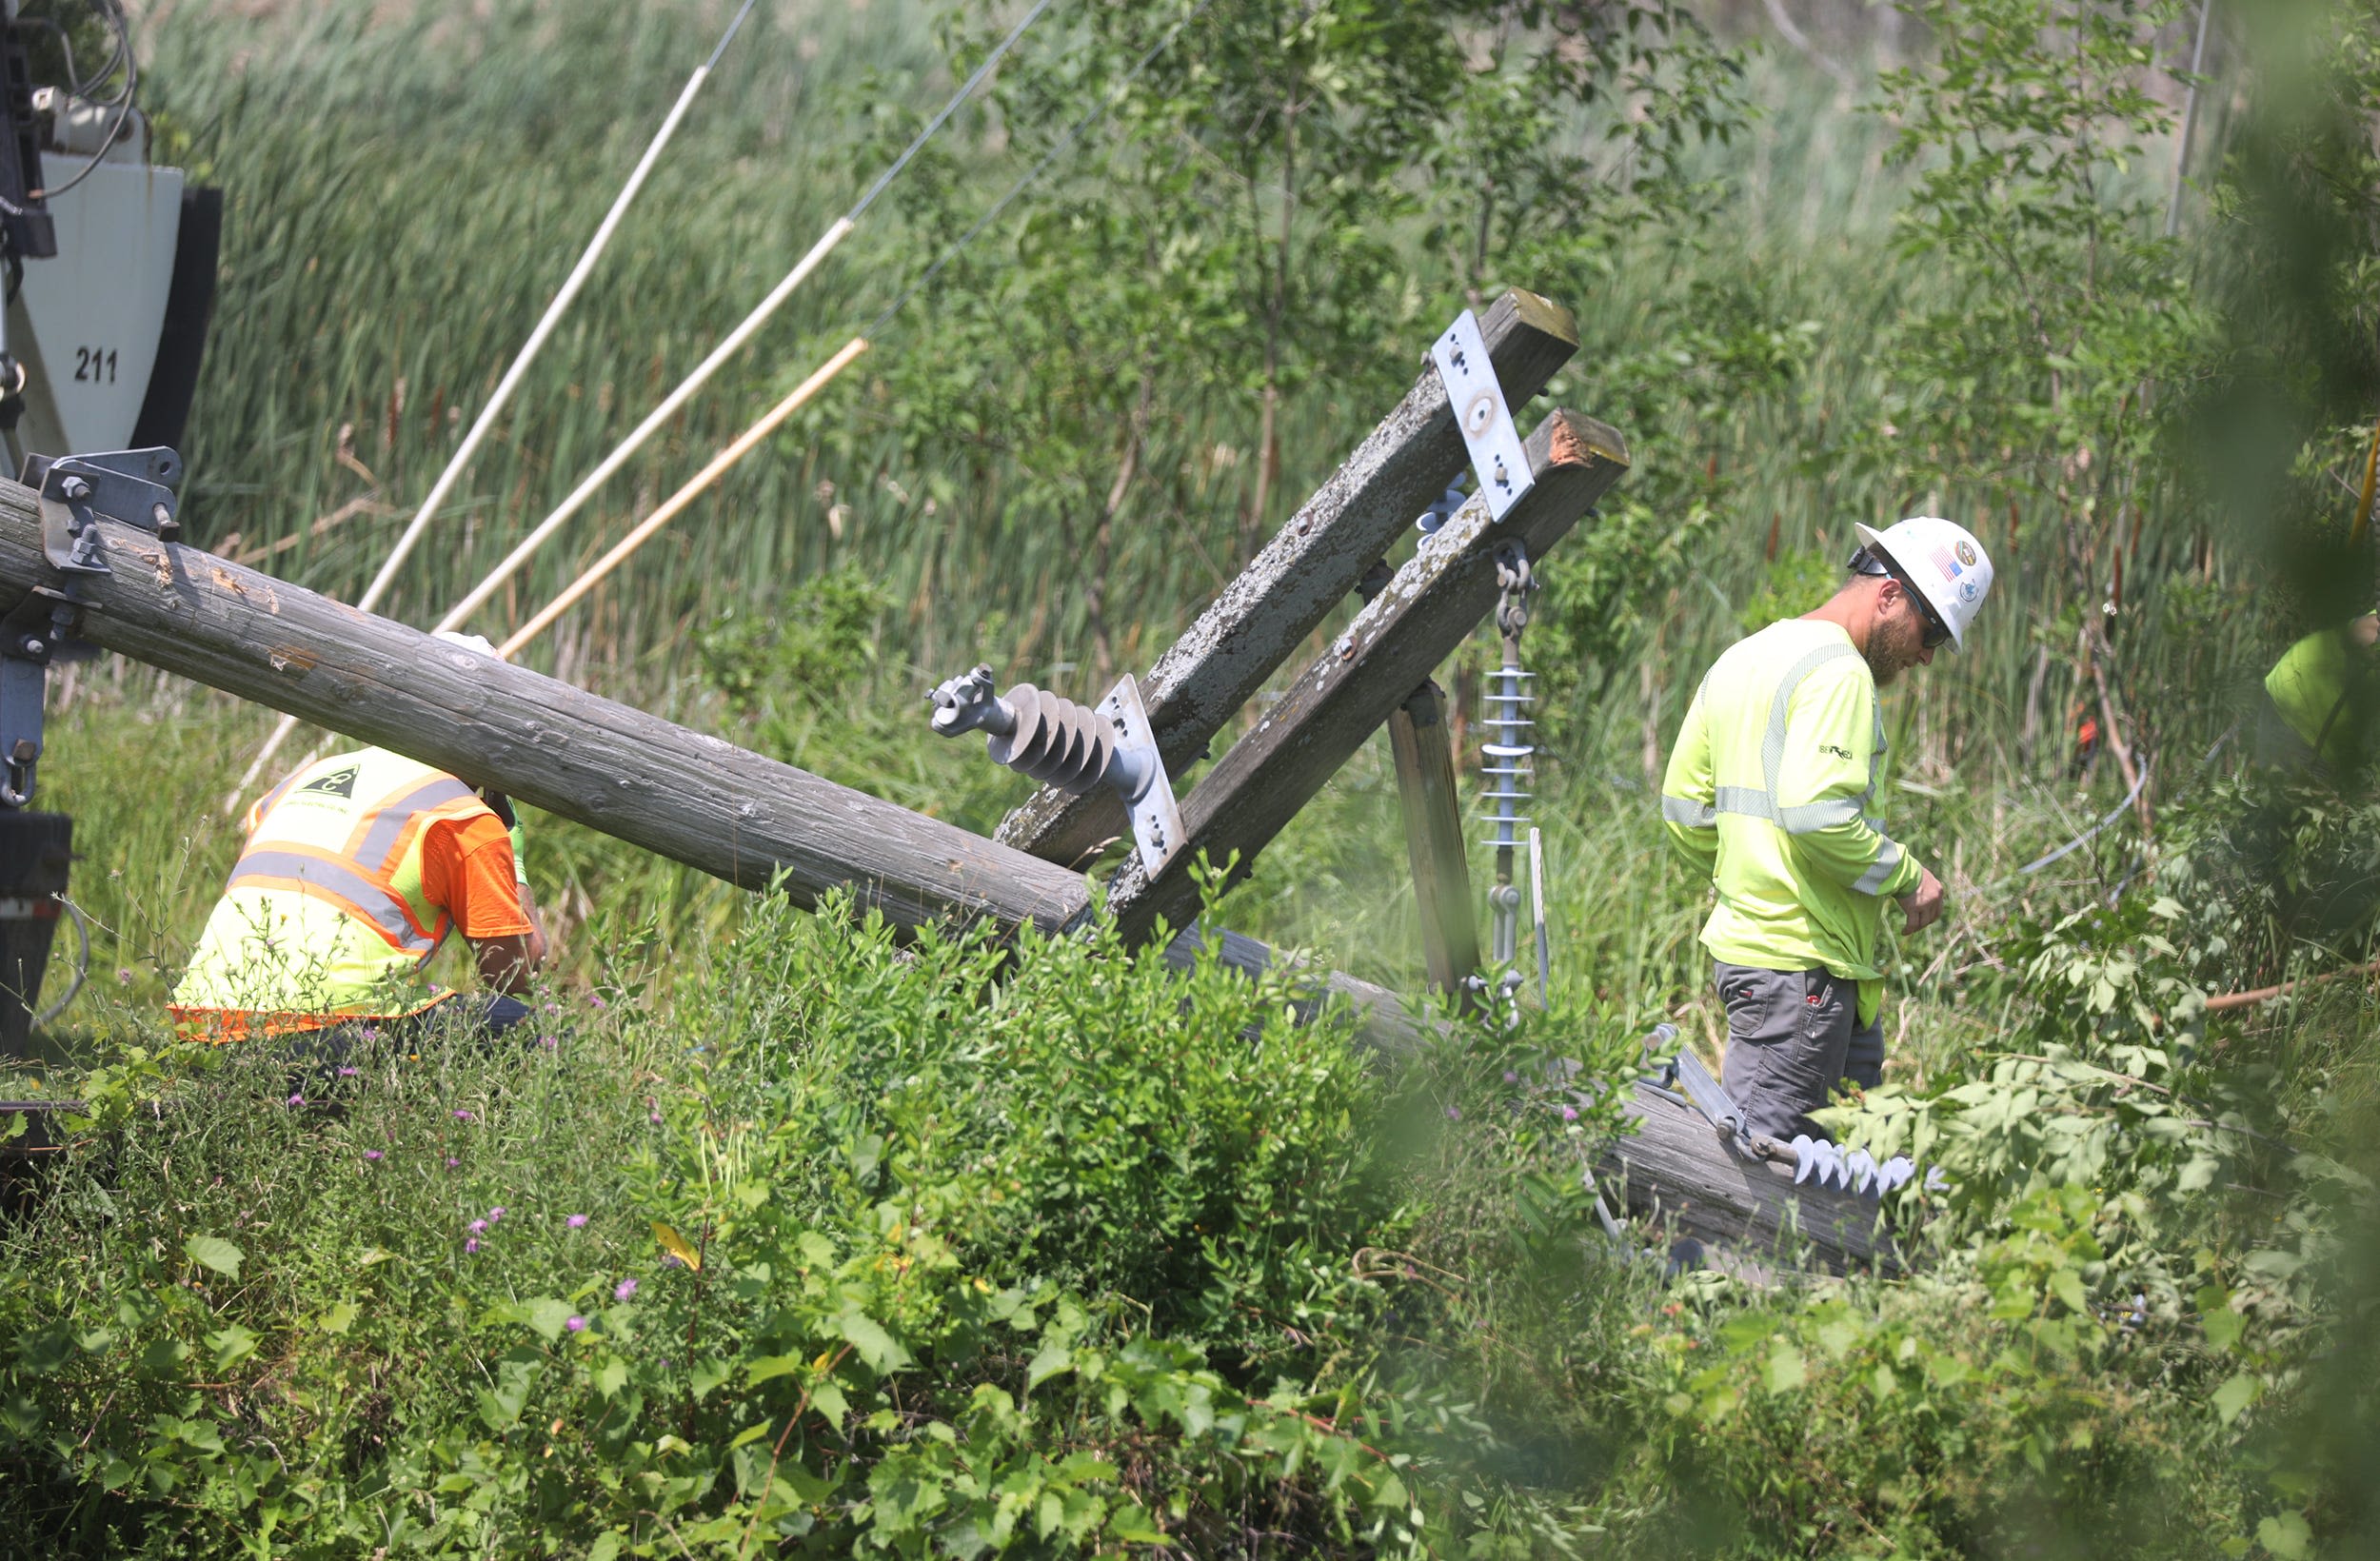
1507	751
1057	742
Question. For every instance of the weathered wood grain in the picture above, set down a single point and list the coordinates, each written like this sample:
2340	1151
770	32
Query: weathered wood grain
1434	842
1339	701
689	797
1674	1170
1306	570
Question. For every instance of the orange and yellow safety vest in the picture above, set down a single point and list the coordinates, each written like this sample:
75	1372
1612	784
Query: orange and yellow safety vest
327	917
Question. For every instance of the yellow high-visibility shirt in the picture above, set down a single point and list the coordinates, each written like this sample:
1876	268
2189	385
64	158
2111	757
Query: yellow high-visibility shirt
2308	687
1766	793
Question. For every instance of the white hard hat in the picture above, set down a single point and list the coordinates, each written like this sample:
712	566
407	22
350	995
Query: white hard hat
468	642
1943	561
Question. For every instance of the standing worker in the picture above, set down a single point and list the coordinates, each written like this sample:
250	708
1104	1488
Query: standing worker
354	870
1767	792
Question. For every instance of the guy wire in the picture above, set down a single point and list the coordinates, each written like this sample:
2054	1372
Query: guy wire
1096	113
966	92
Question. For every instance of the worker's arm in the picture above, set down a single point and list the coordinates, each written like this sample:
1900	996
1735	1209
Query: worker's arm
470	870
1822	787
506	964
1689	792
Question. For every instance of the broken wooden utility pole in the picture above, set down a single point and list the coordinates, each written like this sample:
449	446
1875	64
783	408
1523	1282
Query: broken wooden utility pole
1307	569
1349	691
691	798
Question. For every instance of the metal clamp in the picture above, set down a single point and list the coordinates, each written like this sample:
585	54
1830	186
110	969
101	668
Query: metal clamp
132	488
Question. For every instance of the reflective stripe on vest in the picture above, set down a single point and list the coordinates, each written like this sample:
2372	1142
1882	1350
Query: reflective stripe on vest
338	883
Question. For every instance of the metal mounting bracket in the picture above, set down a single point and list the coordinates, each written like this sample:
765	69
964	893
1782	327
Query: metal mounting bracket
1497	457
132	488
1155	817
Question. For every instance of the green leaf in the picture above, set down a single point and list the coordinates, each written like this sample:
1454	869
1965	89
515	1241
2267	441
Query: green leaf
547	1316
2287	1535
2067	1286
339	1318
876	1346
231	1345
1055	1357
1787	1370
611	1377
606	1547
2232	1398
758	1372
215	1253
2222	1325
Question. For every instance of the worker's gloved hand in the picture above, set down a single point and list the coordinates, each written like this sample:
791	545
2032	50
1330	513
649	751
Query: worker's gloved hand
1922	906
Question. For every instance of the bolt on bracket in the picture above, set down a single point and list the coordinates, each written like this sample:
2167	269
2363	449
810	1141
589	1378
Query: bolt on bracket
1072	747
132	488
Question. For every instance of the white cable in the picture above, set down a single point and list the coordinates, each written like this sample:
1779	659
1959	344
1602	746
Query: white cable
617	458
487	420
521	553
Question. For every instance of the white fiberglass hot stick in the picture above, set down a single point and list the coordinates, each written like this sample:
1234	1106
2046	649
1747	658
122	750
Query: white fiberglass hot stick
537	538
684	496
513	375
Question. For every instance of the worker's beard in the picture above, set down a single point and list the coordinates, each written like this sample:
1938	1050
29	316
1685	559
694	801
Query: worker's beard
1893	644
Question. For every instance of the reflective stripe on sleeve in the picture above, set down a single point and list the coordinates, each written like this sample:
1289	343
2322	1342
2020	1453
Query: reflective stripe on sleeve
1817	815
1872	880
1678	810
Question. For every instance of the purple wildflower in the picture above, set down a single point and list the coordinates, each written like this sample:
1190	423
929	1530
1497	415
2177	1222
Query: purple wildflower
625	1289
371	1032
595	1003
495	1214
371	1154
1454	1113
472	1245
462	1115
478	1227
1570	1113
349	1073
1511	1077
575	1221
553	1008
547	1042
453	1162
576	1324
297	1099
671	1259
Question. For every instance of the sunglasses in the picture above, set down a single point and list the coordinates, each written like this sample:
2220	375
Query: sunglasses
1869	562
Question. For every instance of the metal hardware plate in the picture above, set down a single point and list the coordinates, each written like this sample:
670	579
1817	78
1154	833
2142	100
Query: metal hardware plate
1156	820
1497	459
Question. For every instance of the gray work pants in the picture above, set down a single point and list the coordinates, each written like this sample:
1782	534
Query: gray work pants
1791	1033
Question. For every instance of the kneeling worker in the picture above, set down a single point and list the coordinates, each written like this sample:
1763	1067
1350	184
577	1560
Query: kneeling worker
354	870
1768	791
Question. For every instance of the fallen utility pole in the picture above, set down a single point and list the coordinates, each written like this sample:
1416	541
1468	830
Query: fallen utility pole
691	798
743	818
1308	568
